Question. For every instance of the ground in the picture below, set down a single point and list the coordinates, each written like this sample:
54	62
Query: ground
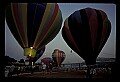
61	74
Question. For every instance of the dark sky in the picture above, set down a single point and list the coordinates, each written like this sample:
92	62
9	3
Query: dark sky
13	49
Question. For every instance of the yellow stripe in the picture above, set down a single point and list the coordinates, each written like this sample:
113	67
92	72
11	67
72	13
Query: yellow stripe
66	24
54	25
58	16
16	23
47	10
57	56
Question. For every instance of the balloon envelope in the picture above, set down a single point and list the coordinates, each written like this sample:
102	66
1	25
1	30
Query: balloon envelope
39	53
47	60
86	32
58	56
33	25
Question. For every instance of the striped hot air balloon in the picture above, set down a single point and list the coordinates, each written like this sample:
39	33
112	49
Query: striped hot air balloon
58	56
86	32
33	25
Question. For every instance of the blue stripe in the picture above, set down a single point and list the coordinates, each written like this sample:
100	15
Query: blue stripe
30	19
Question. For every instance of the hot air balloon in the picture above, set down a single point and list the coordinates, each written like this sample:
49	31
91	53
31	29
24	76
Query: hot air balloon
58	56
86	31
47	60
33	25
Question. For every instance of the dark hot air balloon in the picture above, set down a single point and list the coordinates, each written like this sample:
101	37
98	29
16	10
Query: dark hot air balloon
47	60
39	53
86	32
33	25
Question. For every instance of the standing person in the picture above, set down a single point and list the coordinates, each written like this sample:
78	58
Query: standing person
89	72
11	71
44	68
18	69
50	68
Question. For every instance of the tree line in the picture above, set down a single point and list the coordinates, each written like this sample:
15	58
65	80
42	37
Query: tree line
9	60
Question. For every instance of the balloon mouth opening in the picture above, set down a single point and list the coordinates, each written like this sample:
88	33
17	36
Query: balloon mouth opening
90	62
30	52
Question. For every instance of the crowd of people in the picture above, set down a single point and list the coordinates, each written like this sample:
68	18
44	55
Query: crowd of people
13	69
49	69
